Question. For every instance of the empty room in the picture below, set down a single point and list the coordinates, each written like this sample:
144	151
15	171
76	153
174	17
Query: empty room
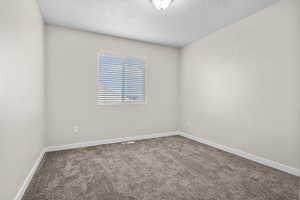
150	100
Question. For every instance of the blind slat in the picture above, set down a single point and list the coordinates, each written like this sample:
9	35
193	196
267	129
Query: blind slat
120	79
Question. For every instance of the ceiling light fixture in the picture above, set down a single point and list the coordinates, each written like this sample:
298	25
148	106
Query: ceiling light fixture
162	4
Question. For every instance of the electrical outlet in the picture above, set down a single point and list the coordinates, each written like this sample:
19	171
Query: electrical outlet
76	129
188	124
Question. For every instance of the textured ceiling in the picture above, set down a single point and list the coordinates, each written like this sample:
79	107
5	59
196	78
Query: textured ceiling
183	22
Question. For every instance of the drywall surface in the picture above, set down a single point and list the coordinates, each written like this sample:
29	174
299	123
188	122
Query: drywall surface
21	92
72	90
240	87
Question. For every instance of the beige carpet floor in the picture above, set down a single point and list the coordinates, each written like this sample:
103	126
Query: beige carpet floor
170	168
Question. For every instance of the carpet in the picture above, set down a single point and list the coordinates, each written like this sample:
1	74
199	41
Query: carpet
168	168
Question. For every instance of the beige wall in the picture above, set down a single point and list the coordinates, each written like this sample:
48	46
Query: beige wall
71	88
21	92
240	87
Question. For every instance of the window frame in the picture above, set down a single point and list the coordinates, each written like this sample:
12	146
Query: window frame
99	54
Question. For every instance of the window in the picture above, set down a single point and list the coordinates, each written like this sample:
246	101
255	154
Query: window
120	80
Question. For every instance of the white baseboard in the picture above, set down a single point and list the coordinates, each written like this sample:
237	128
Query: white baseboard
28	179
263	161
110	141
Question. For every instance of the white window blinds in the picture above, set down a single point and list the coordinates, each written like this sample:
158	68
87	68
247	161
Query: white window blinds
120	80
